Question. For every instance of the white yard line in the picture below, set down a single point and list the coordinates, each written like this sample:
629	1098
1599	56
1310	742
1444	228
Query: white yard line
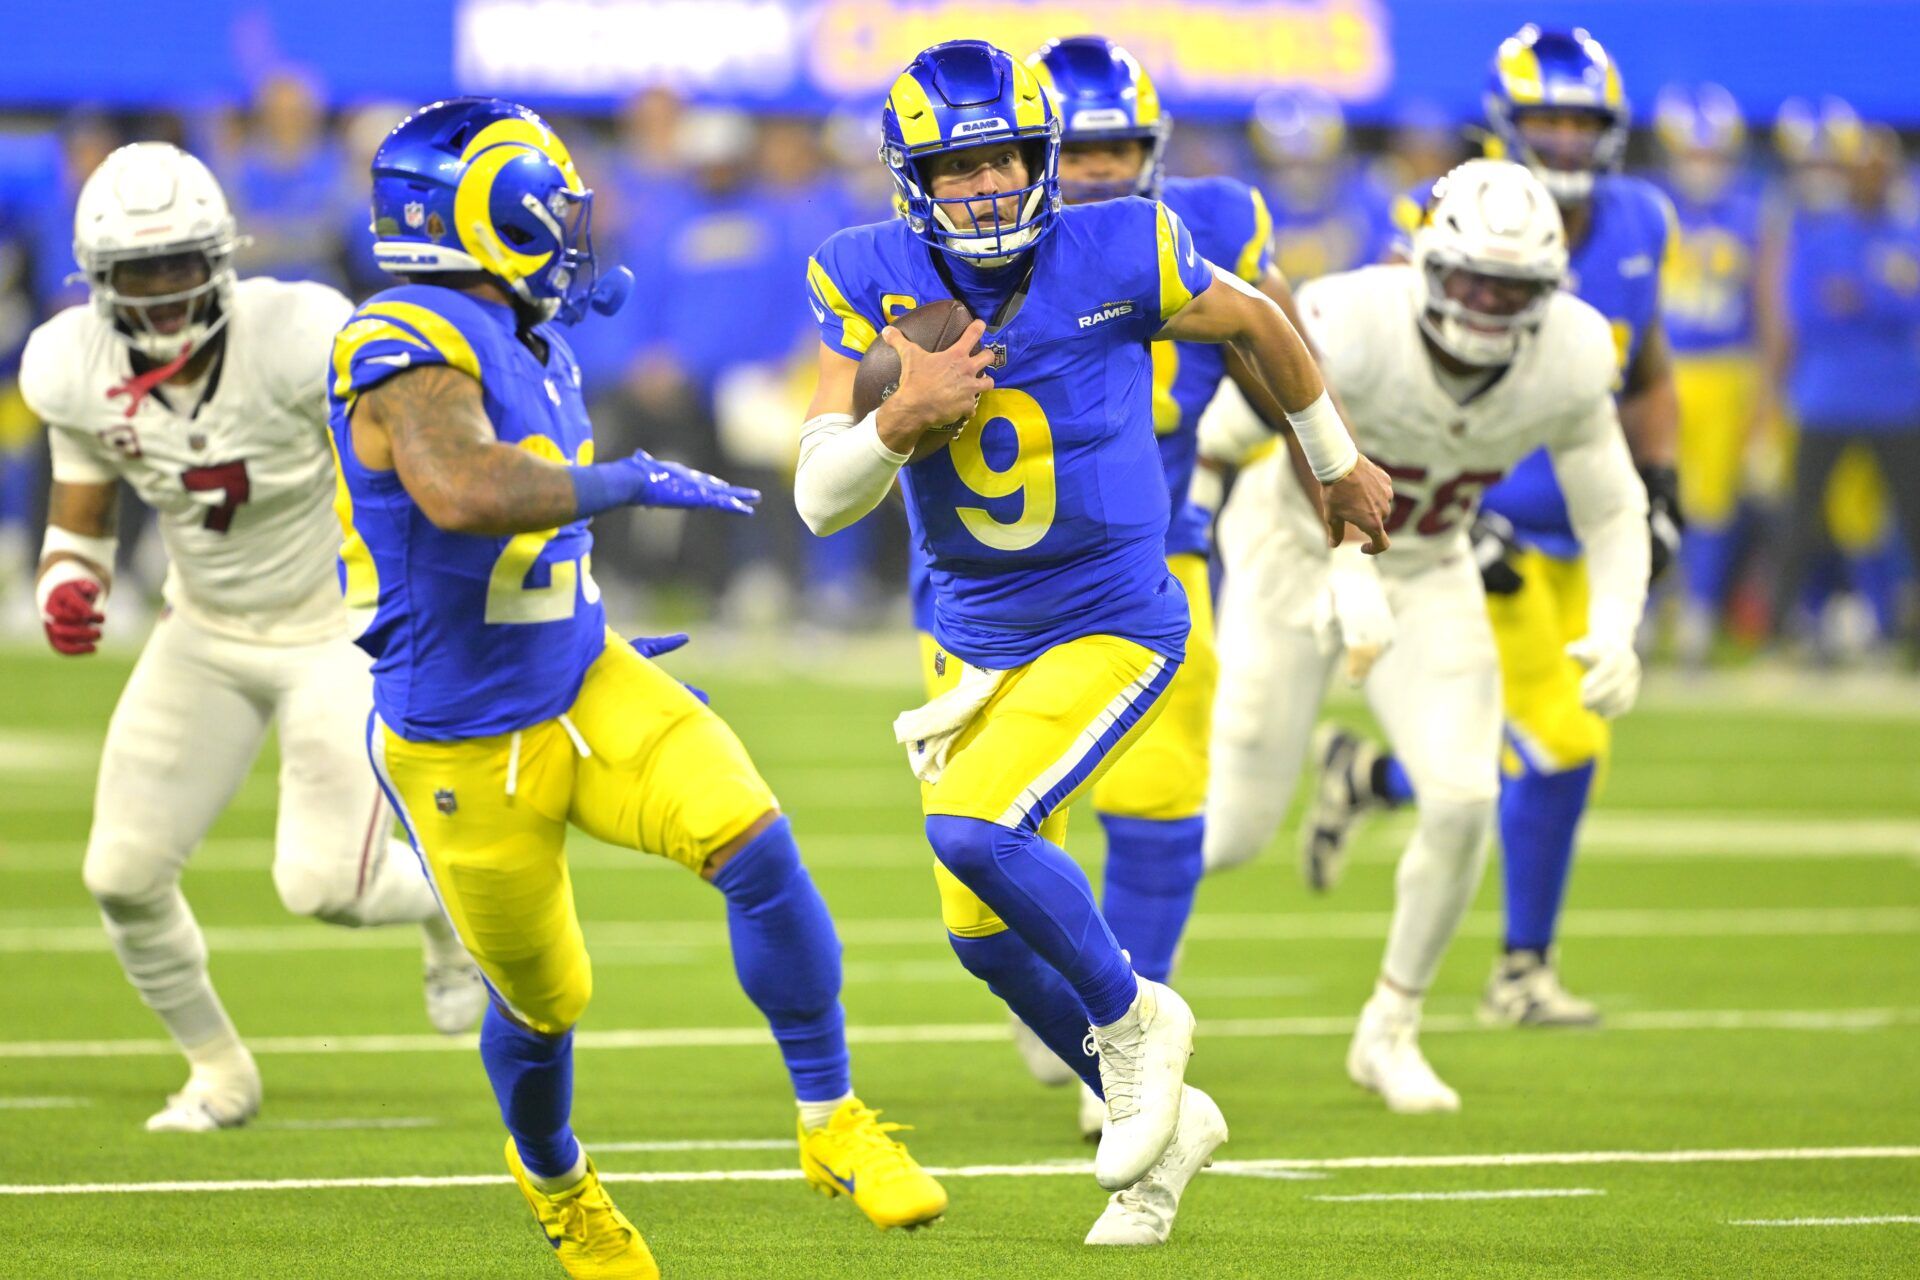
712	1144
1877	1019
349	1123
1514	1193
673	937
1050	1169
1890	1219
43	1104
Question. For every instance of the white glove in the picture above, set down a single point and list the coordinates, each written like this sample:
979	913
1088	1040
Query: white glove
1612	679
1354	611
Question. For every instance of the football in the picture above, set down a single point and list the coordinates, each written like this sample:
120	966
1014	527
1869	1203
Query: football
934	327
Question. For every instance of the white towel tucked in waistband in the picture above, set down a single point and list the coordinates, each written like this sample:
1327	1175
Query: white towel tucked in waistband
928	732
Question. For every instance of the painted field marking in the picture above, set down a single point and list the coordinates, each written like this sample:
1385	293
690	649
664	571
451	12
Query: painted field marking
1883	1220
348	1123
1514	1193
1048	1169
696	1144
979	1033
42	1104
675	936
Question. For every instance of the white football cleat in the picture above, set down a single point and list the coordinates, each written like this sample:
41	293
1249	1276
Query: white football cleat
1342	795
456	992
1525	991
1043	1063
1143	1213
1385	1057
211	1100
1093	1114
1143	1065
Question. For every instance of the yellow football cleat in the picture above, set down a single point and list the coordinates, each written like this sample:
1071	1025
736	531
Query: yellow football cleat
592	1239
853	1155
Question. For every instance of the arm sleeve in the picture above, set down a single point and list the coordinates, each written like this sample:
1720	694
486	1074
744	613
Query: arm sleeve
78	458
843	326
1607	504
845	471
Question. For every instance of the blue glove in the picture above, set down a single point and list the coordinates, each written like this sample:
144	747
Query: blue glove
654	646
642	480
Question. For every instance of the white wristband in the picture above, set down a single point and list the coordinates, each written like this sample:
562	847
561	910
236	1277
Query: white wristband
83	559
1323	438
97	552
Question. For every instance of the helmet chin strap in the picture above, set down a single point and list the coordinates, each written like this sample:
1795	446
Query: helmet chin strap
1451	337
139	386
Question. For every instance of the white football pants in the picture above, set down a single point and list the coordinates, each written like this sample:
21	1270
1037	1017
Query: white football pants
182	740
1436	692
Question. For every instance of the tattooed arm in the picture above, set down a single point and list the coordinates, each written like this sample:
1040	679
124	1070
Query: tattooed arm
430	426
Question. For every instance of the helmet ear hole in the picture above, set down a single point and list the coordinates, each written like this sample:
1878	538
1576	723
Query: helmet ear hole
518	237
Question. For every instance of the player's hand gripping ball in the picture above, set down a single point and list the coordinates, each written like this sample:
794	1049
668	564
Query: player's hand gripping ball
934	327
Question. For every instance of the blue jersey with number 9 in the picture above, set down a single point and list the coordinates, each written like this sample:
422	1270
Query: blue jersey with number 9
1046	517
472	635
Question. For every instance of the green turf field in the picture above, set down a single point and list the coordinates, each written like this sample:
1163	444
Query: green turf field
1748	913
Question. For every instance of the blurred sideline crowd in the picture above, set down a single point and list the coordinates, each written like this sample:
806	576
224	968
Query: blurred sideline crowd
1791	295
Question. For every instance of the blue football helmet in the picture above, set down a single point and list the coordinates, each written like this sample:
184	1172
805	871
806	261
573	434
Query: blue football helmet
1297	126
958	95
1556	70
1827	132
1701	117
1101	94
482	184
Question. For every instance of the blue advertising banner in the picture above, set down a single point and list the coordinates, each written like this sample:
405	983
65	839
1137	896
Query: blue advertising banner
1211	57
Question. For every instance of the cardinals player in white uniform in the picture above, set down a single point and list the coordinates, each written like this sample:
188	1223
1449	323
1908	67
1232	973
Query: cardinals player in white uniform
1452	368
207	394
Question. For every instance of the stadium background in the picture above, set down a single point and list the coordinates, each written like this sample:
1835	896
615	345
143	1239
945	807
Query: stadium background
1745	906
727	138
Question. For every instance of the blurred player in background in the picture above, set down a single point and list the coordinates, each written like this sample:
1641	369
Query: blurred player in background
206	394
1707	299
1151	802
1556	104
1328	213
1452	369
1058	626
1848	357
504	710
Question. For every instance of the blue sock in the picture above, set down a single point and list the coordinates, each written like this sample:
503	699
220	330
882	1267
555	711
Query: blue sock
1539	818
532	1077
1152	870
1877	575
1391	783
1036	993
1043	896
787	957
1707	554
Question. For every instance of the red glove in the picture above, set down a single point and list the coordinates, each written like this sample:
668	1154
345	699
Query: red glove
71	618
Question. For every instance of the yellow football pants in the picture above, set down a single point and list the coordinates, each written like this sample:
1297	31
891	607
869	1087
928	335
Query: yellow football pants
1540	684
1050	731
1717	395
636	761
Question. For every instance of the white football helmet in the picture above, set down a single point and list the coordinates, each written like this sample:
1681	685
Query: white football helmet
1490	251
147	201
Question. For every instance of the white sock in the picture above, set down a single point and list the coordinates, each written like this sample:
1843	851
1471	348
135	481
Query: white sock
1393	1002
814	1115
571	1178
222	1055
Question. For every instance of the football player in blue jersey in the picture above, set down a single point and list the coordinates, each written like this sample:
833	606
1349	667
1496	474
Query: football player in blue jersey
1114	135
1707	300
503	709
1555	102
1328	214
1033	479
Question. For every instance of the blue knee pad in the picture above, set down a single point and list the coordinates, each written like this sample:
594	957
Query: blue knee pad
1153	868
532	1078
1037	994
787	957
1042	895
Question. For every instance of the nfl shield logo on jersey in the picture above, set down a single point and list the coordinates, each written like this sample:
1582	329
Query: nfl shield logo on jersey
415	214
444	800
